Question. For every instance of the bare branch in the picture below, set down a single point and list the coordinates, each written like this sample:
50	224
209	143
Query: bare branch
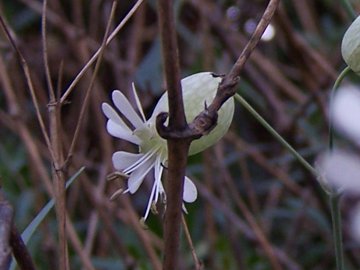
177	148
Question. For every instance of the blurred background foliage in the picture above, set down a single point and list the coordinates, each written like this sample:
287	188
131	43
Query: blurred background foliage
247	178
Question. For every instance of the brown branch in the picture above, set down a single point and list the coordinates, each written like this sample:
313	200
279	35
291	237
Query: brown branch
97	53
57	158
92	82
26	70
227	87
20	251
178	133
171	65
198	263
177	148
10	239
207	119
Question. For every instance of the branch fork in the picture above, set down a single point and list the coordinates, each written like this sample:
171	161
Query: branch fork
206	120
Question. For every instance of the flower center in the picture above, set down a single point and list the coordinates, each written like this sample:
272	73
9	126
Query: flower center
151	140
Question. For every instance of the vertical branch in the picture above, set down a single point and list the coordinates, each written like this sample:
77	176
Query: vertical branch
171	64
57	158
177	148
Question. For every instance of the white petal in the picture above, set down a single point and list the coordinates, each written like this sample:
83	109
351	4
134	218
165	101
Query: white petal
143	159
346	112
158	169
150	201
190	191
123	160
137	177
120	132
111	114
341	169
138	103
355	222
126	109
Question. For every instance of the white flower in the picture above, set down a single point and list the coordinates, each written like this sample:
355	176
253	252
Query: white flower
345	111
340	168
197	89
355	224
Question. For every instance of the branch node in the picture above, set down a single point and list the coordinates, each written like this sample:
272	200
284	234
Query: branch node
202	125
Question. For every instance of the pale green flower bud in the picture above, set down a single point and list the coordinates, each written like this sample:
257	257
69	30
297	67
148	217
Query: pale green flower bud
350	46
199	89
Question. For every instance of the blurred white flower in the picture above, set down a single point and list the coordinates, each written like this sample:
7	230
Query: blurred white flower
341	169
198	89
345	112
355	224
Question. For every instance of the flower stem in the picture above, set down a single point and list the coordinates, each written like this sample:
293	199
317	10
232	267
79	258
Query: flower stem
332	94
334	196
334	199
276	135
349	9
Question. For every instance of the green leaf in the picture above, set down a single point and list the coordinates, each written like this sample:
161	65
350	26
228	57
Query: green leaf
34	224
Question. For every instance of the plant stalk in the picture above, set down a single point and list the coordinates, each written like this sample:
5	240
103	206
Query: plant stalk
334	199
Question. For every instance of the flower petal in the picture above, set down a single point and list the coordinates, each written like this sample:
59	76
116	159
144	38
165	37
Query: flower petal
157	187
126	109
138	103
158	169
355	222
133	167
111	114
119	131
137	176
346	112
341	169
122	160
190	191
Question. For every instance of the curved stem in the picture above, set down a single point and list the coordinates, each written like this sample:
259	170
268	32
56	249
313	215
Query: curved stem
334	196
339	79
349	9
276	135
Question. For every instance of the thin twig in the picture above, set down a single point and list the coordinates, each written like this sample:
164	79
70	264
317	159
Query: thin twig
198	264
207	119
57	157
92	81
251	220
97	53
18	124
29	82
227	87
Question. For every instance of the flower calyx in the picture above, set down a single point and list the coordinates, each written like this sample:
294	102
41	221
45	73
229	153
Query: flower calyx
207	119
350	46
